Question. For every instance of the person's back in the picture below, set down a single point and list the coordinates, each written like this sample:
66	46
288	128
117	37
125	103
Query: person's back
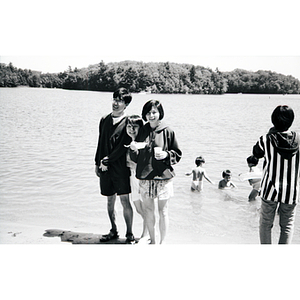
281	166
198	173
280	181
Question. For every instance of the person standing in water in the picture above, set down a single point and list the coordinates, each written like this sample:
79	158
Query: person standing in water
226	183
254	182
198	174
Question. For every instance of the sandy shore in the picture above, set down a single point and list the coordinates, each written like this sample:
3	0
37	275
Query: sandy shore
15	233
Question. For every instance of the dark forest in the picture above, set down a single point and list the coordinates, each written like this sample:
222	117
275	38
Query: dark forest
164	77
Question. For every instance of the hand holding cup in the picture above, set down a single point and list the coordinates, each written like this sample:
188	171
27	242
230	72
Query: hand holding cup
159	154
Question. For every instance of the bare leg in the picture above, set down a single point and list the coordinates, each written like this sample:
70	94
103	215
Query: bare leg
139	208
127	213
252	195
148	206
163	219
111	200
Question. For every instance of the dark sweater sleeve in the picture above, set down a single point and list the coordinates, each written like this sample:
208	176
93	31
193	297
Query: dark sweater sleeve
174	153
119	148
258	149
97	155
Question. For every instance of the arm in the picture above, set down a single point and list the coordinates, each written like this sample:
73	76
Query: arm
97	155
258	149
220	186
233	185
193	172
134	150
117	152
133	153
98	162
117	142
173	154
207	178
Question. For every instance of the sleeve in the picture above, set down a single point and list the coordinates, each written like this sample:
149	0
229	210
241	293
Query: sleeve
259	149
119	148
174	153
139	138
97	155
133	155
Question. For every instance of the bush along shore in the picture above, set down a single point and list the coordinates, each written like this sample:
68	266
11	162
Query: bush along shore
164	77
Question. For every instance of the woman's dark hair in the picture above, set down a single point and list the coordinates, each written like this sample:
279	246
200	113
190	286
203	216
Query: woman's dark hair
148	106
135	119
282	117
122	94
199	160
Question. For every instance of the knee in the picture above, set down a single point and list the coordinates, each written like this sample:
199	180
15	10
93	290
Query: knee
148	210
125	202
163	211
139	210
286	223
266	223
110	206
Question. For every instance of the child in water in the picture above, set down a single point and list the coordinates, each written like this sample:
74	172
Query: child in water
255	182
198	174
133	125
226	183
253	176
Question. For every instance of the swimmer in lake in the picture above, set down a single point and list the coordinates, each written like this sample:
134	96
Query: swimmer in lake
255	182
226	183
198	174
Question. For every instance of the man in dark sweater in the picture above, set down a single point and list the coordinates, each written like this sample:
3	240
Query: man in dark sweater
110	160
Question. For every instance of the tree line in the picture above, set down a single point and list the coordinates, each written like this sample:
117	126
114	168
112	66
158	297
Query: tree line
163	77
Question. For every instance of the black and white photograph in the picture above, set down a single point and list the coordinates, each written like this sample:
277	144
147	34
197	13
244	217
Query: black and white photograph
149	149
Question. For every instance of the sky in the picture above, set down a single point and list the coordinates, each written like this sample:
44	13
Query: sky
251	35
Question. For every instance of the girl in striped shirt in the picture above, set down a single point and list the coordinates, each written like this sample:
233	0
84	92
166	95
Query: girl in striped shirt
280	180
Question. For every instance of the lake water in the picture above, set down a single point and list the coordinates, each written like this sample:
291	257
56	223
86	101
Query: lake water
47	145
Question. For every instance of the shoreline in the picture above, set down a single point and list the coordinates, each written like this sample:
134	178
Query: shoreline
15	233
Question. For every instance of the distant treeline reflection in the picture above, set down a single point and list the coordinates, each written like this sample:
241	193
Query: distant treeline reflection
167	78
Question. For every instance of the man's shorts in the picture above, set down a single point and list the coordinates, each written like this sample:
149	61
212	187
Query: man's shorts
110	185
160	189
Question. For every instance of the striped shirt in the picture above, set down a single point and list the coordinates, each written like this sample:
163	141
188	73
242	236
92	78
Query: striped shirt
280	181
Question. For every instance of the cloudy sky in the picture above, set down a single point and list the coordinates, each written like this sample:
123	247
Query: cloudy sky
225	34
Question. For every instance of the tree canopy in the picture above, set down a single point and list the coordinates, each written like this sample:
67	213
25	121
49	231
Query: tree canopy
163	77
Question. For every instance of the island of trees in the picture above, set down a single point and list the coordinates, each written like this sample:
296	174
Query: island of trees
164	77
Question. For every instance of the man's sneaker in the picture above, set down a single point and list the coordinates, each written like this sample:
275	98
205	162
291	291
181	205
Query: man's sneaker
130	239
110	236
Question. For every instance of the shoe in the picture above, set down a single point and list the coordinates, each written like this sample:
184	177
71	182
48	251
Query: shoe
130	239
110	236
